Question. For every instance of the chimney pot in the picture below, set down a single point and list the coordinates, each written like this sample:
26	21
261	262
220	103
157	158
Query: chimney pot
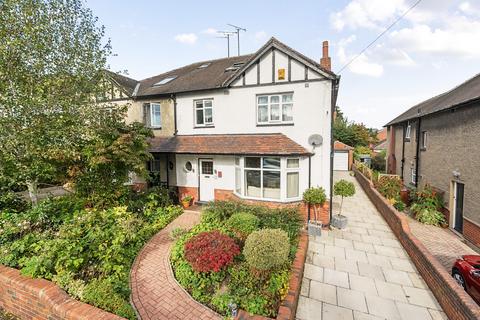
325	61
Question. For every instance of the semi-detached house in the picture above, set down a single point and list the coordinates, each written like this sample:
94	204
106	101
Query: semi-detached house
239	127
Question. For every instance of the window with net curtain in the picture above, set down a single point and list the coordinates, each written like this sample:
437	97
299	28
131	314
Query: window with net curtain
262	177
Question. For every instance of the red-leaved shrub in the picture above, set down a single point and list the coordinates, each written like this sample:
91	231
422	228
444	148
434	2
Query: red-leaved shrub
210	251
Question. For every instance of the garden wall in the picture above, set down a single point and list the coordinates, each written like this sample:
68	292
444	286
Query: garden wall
288	307
29	298
456	303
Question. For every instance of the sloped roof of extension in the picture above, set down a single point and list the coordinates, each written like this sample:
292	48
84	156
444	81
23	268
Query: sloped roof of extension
338	145
464	93
128	84
213	74
232	144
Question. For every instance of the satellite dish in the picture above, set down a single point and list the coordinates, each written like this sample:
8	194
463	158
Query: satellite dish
315	140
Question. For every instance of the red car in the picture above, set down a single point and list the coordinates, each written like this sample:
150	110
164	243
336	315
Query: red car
466	271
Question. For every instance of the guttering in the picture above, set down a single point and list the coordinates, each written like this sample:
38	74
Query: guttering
404	132
309	182
333	100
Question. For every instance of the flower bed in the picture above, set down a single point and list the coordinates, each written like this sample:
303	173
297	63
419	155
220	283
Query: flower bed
254	275
86	251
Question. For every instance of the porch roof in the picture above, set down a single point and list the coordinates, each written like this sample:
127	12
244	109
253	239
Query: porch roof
228	144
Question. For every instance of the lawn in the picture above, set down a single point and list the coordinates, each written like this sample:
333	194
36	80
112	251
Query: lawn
238	255
87	251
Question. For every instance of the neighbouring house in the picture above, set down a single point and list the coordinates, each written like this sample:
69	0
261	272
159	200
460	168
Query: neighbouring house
255	127
436	142
381	144
342	156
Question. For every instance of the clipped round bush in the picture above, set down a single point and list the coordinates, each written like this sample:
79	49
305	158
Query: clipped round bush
267	249
210	251
315	196
243	223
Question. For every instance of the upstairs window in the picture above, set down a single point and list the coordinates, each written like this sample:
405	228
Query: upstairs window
408	131
152	115
275	109
424	140
203	113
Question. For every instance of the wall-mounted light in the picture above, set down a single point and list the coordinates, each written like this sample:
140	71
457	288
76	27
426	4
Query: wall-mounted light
456	174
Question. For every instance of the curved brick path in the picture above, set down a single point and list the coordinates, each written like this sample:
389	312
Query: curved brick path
155	293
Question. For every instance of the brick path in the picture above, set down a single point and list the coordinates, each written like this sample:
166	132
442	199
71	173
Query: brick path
155	292
442	243
362	272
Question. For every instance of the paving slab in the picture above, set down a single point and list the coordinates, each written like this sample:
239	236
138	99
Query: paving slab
362	272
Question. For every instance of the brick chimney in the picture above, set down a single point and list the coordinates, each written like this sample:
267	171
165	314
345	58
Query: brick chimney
325	61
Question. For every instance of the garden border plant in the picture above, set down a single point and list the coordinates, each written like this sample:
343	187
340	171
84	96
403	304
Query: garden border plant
247	284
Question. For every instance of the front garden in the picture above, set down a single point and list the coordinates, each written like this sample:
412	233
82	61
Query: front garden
424	205
238	257
86	250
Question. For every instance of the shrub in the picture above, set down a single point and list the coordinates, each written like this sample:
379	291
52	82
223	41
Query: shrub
266	249
10	201
343	188
156	197
378	161
389	186
399	205
210	251
243	223
177	233
315	196
426	205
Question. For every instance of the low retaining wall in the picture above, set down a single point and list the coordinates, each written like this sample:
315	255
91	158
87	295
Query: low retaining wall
456	303
29	298
288	307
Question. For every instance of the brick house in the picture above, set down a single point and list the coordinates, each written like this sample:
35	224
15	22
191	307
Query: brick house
239	127
437	142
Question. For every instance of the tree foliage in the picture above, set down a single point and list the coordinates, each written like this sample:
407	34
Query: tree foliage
52	54
351	133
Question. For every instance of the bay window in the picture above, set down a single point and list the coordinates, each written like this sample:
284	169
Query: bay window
275	109
269	178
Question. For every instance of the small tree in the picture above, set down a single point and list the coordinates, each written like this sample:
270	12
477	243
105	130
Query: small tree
343	188
315	197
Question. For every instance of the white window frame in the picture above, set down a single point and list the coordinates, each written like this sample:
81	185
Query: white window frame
240	164
424	140
203	108
413	175
269	104
408	130
152	107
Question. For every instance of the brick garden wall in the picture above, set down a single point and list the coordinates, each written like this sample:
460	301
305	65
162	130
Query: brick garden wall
456	303
288	307
471	232
40	299
190	191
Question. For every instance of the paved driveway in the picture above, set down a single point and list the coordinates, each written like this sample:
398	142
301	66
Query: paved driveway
362	272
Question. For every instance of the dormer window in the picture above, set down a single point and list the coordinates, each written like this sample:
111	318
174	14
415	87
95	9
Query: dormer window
164	81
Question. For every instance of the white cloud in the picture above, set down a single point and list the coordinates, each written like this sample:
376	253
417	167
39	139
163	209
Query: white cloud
186	38
362	64
459	37
469	9
210	31
260	35
366	14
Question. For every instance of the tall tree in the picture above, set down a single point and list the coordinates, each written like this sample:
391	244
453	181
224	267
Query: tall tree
51	56
351	133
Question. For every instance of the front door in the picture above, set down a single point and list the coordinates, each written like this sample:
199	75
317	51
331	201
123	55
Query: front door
206	180
458	214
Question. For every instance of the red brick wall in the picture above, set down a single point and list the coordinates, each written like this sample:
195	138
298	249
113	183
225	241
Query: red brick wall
471	232
288	307
456	303
38	299
191	191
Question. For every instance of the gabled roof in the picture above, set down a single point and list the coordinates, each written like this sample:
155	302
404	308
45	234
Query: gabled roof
228	144
191	77
124	82
338	145
381	145
465	92
278	45
214	75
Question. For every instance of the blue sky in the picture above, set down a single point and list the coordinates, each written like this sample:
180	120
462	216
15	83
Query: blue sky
435	47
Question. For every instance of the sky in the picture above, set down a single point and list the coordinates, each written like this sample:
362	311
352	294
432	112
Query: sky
435	47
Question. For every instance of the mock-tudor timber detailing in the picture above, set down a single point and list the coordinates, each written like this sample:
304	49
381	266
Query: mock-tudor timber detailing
456	303
40	299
